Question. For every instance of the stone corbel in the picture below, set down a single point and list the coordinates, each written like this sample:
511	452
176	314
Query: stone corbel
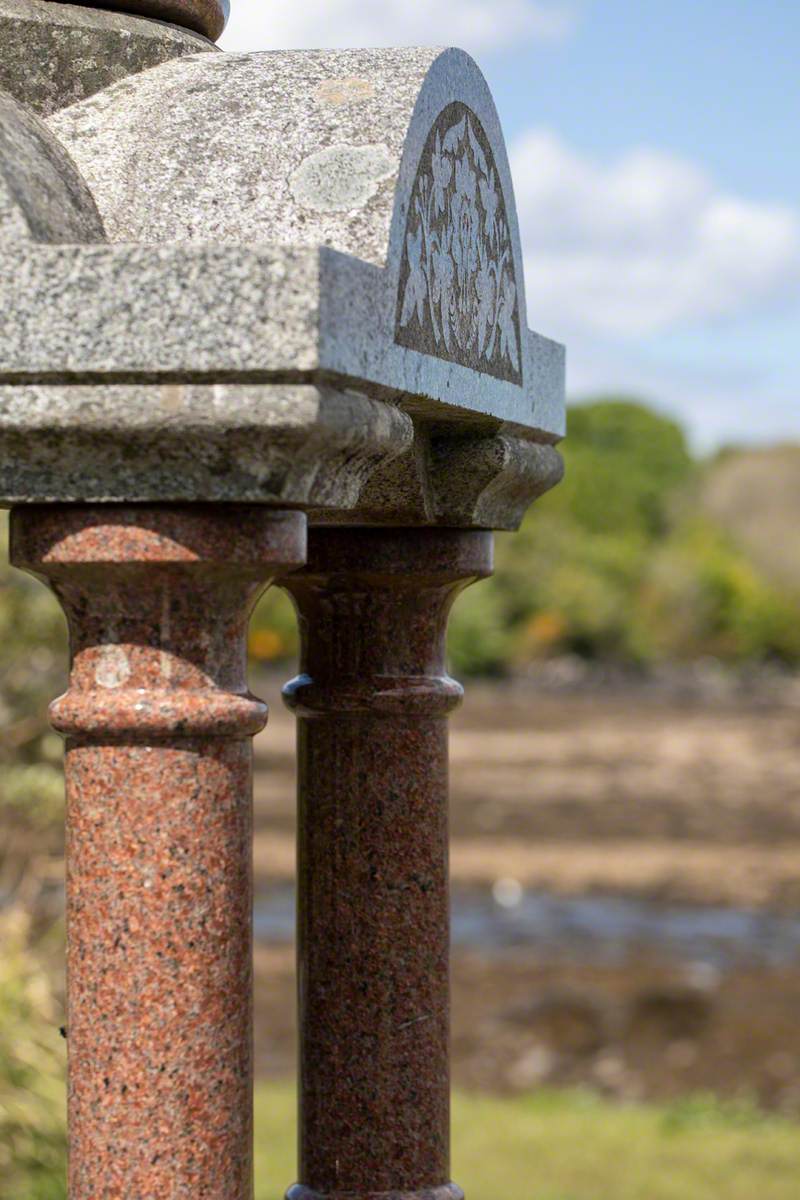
490	482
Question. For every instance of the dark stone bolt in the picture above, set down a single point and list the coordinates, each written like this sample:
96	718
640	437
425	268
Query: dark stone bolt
204	16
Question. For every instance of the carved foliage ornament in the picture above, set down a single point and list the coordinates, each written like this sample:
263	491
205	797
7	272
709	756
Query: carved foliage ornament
458	296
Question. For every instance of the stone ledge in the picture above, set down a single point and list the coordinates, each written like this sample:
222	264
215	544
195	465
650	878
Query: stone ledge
343	457
183	313
209	335
283	445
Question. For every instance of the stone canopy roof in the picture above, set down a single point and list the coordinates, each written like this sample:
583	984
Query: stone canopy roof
223	258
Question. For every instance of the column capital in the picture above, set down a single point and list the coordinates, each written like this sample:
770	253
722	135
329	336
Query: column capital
158	601
375	602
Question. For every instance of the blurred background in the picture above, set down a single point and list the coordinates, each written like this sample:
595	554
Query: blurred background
626	768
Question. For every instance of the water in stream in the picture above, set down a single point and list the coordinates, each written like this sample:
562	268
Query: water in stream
599	929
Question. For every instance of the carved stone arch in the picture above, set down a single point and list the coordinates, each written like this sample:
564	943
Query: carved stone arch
458	294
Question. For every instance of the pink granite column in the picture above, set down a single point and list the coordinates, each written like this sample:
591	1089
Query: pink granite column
158	722
373	912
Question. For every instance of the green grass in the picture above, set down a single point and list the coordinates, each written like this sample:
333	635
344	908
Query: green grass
573	1146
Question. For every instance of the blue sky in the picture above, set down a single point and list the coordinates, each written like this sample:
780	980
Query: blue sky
655	152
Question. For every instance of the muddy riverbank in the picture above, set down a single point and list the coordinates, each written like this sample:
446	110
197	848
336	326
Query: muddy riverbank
626	869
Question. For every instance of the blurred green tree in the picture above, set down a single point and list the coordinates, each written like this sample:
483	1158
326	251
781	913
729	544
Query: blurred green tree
617	563
32	1096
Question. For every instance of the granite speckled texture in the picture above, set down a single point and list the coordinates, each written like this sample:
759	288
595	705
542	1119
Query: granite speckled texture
56	54
43	198
258	211
326	149
158	766
208	17
266	117
280	444
188	313
372	699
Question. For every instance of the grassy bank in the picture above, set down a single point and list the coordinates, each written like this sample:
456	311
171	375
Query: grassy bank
548	1146
572	1146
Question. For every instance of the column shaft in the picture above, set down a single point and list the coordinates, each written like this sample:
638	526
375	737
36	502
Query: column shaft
373	910
158	722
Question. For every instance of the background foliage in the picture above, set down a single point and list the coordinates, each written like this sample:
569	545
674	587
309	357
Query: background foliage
624	562
643	555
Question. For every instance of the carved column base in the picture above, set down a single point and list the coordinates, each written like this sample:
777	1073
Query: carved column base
158	767
448	1192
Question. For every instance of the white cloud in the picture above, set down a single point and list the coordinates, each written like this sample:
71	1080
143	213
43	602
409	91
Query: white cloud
643	244
475	25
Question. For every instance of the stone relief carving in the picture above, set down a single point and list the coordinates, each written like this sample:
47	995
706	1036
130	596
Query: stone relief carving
458	297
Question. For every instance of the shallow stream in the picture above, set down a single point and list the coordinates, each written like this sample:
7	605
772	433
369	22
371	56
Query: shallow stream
598	929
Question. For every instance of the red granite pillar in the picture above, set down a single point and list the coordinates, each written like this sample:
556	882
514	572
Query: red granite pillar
373	914
158	722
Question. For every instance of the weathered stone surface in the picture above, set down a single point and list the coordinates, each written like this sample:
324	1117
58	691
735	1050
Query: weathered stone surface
256	174
284	444
42	195
334	149
56	54
344	227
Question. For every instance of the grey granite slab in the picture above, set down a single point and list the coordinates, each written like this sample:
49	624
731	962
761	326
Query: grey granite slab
289	445
54	54
387	156
282	134
158	312
184	312
43	197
